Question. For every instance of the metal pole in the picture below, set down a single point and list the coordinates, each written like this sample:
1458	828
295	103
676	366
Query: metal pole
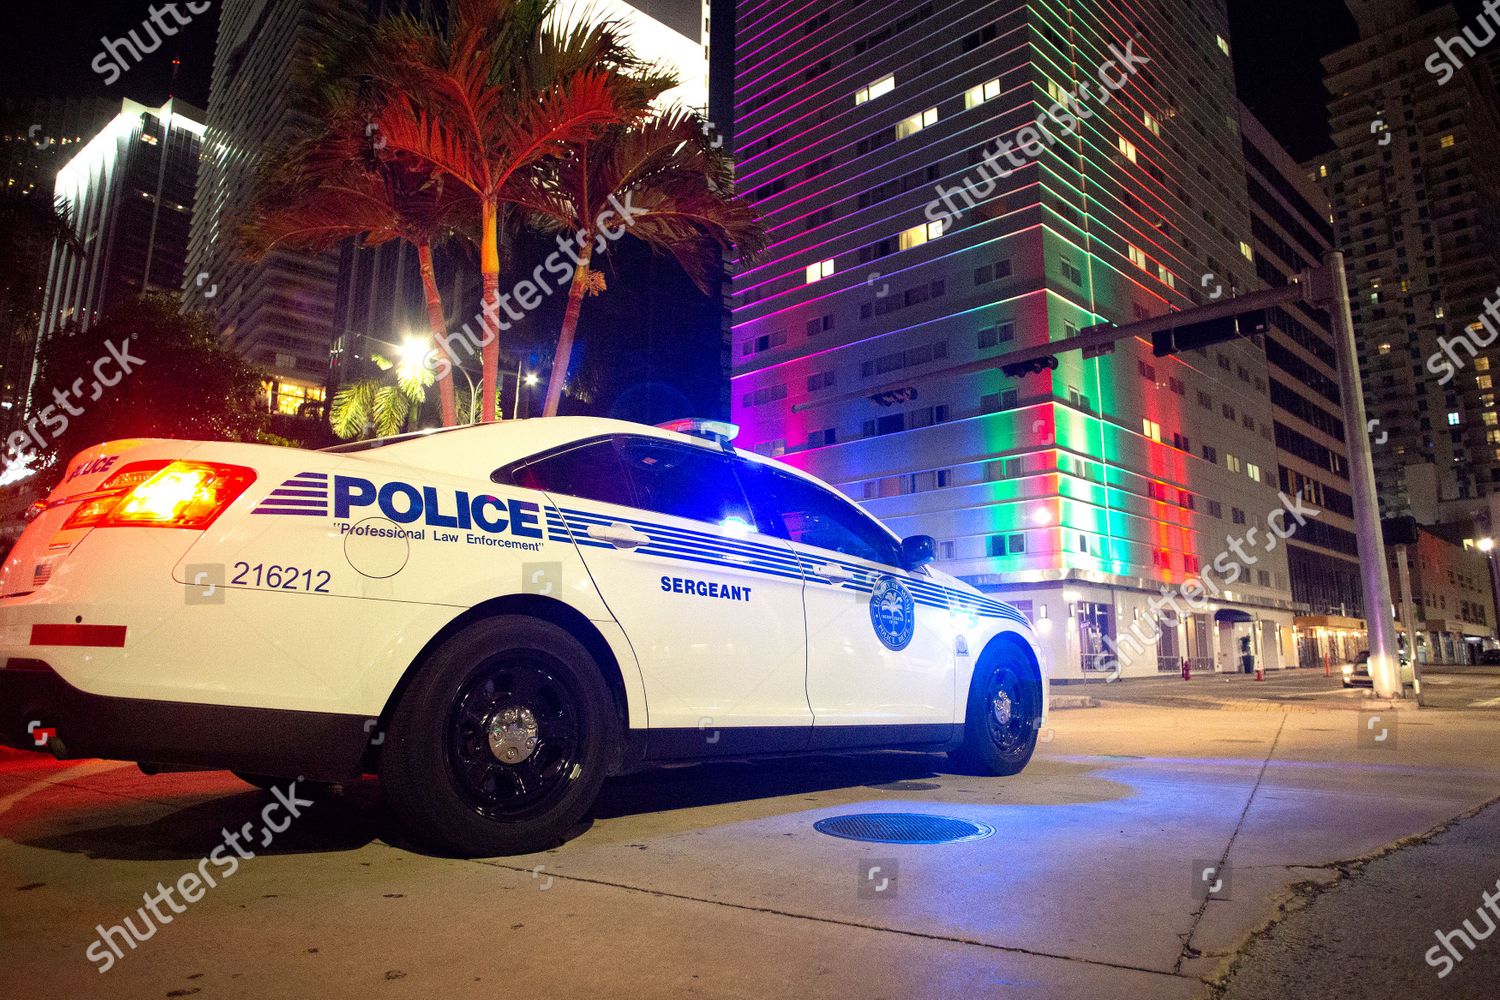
515	410
1384	669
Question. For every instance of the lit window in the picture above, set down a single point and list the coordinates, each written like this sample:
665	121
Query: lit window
917	235
1061	96
1322	170
1151	429
1127	149
1491	418
1137	256
1446	141
1440	312
1484	382
820	270
916	123
1151	123
1246	251
884	85
1232	463
1453	418
1253	471
987	91
1166	276
1385	348
1481	364
1223	45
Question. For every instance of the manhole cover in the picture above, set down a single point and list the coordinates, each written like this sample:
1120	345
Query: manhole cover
906	786
902	828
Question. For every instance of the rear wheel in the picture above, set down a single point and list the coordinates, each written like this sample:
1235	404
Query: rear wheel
1003	716
502	741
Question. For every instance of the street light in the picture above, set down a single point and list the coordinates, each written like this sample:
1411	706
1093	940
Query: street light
531	378
410	357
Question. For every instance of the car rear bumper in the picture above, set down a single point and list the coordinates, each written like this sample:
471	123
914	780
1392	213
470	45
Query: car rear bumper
319	746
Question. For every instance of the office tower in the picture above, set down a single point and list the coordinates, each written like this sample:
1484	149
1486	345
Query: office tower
36	138
1416	197
129	191
1290	233
904	255
277	313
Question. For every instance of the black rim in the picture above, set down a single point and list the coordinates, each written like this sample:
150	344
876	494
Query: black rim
1008	711
514	737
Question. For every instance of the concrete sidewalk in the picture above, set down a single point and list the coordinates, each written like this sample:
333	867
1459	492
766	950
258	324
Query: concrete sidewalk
710	881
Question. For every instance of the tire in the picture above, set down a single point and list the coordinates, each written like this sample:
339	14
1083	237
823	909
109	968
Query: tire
501	742
1000	734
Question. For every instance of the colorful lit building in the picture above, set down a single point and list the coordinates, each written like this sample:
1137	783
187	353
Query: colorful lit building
1416	198
1082	494
1291	232
277	313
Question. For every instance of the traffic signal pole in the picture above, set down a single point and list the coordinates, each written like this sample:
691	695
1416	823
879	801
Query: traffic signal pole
1332	287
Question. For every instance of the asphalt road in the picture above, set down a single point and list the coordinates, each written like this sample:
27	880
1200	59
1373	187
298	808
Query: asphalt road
711	882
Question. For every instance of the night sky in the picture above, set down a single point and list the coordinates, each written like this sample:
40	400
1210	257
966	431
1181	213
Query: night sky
50	48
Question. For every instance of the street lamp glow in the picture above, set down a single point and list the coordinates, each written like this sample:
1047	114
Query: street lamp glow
1486	544
531	378
410	356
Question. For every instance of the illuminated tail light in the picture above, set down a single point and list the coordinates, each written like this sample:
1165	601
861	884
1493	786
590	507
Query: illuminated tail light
163	495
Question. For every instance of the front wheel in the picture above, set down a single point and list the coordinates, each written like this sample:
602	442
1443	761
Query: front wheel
1002	720
502	741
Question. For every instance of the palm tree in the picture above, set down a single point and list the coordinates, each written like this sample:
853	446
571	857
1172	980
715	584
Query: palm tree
487	95
388	404
333	184
678	191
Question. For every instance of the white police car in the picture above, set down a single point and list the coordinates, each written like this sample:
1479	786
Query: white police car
491	618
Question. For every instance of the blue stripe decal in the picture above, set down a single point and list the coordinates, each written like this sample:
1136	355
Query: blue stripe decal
706	548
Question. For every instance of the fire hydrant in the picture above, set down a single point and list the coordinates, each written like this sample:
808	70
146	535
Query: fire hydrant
1187	670
1260	674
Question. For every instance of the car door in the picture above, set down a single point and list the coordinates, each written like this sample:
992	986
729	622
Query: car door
880	639
711	607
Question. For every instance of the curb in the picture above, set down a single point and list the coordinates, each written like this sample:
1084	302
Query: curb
1072	701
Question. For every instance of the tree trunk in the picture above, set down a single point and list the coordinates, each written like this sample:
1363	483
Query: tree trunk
489	263
564	355
435	324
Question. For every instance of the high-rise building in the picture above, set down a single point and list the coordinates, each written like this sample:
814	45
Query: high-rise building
1416	198
1290	233
907	248
129	193
36	138
277	313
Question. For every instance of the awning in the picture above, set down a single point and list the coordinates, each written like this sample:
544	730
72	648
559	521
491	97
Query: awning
1233	615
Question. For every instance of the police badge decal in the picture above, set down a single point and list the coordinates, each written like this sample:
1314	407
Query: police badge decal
893	613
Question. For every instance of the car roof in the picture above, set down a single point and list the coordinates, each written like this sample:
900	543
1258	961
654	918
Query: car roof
506	441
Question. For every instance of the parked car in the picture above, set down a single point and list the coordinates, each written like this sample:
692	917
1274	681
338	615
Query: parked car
492	619
1490	657
1357	674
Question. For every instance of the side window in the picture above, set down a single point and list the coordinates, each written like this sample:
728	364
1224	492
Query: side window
684	481
591	472
810	515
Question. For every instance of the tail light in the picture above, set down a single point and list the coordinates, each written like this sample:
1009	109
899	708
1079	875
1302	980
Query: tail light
162	495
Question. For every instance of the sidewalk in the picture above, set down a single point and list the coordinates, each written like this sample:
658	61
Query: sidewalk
1295	690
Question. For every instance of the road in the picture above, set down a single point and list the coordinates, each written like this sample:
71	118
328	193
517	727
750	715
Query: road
711	882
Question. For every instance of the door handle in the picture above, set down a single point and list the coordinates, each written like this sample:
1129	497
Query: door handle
621	536
834	572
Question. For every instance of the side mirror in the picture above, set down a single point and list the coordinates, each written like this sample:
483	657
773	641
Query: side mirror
918	550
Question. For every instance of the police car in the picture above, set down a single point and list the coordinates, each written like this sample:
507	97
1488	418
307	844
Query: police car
492	619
